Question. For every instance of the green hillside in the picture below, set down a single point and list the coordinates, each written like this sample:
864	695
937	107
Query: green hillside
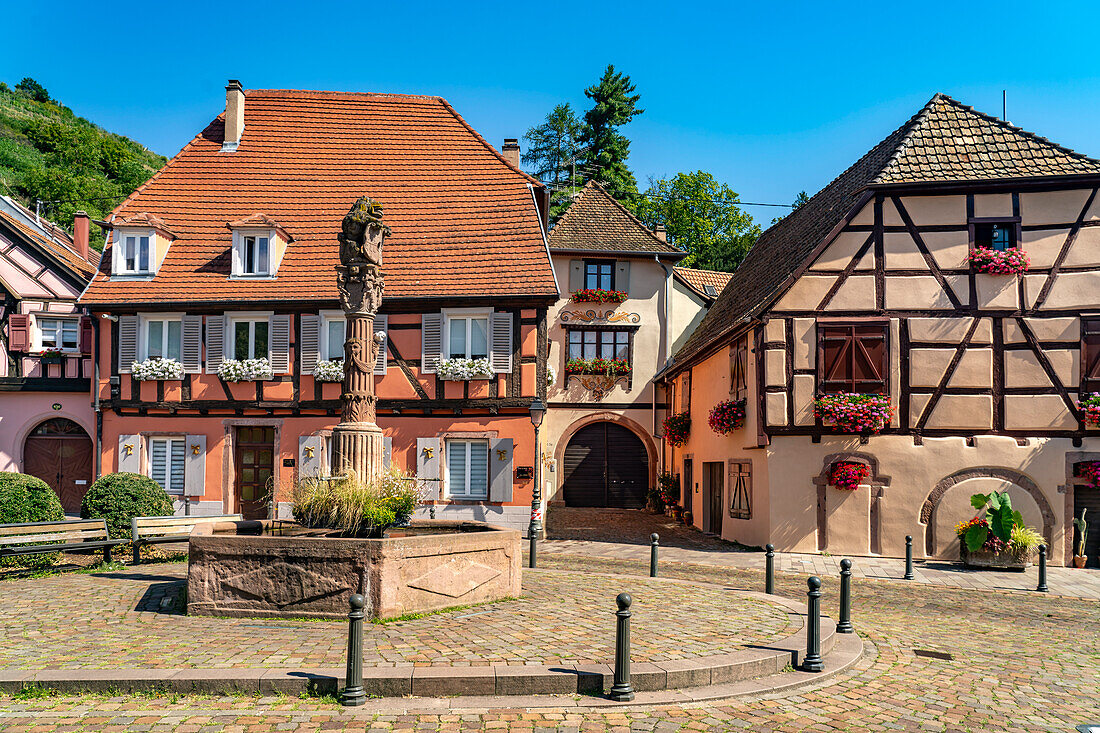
47	153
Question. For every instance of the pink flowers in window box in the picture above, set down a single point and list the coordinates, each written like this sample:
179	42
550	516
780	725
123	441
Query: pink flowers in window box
677	427
848	475
999	262
596	295
1090	406
727	416
854	413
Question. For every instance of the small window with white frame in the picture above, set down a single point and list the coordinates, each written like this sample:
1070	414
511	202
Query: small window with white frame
332	337
248	339
252	253
168	462
467	469
58	333
161	338
468	335
134	253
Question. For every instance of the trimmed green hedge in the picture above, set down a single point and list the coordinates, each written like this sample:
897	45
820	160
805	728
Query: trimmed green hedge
119	497
26	498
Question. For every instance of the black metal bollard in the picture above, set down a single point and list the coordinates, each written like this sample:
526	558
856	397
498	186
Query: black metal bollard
813	662
908	558
1042	587
769	569
844	624
534	549
621	691
353	693
654	543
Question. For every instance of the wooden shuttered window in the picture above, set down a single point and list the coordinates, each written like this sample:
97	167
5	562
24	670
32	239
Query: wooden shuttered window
852	357
127	342
19	332
191	344
500	343
279	348
739	364
431	342
740	483
215	343
309	350
1090	355
87	335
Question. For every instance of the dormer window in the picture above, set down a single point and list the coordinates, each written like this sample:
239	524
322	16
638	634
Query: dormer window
134	253
255	255
258	246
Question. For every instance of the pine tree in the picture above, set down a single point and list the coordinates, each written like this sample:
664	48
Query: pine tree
549	155
604	148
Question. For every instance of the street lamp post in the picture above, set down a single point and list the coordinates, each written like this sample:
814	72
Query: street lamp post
538	411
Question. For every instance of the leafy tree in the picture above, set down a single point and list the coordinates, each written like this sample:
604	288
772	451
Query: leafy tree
551	147
800	199
701	216
605	148
33	89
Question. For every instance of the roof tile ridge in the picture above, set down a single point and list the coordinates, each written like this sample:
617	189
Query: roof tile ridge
633	218
530	179
573	204
1018	130
913	123
336	93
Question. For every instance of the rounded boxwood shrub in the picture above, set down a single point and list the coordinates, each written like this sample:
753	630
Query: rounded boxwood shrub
24	499
119	497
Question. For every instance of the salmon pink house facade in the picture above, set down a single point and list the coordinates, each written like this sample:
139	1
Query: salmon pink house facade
926	327
220	328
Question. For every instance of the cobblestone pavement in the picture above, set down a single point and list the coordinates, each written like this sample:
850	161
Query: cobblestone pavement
1017	663
624	534
90	621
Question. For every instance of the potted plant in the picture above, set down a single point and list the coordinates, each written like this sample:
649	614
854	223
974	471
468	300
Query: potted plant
1079	557
997	537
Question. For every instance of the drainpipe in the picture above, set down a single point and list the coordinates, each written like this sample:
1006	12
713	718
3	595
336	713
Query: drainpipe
95	399
663	356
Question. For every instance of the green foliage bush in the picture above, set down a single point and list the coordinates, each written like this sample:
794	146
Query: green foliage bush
354	507
119	497
26	498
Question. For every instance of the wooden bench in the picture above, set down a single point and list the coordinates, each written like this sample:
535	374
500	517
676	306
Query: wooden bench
161	530
32	538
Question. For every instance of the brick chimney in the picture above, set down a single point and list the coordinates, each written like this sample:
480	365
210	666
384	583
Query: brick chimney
510	151
80	234
234	115
661	233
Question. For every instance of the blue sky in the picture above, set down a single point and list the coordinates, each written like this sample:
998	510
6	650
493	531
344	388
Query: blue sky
772	98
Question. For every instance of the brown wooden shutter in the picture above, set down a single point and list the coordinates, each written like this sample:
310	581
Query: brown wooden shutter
1090	354
19	332
87	335
852	358
739	361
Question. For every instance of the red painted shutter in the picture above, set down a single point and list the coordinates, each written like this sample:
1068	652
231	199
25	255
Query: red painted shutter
853	359
87	335
1090	354
836	366
19	332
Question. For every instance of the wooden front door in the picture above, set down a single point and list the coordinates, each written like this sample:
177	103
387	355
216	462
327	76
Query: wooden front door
60	453
606	465
712	490
254	458
688	487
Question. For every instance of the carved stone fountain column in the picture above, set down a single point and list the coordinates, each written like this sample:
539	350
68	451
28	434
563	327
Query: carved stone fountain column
357	439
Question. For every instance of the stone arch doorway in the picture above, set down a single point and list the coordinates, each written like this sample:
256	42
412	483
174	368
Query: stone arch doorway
605	464
59	452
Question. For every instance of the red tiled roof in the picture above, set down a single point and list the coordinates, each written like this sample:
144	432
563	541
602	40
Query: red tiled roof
463	221
596	221
698	280
52	238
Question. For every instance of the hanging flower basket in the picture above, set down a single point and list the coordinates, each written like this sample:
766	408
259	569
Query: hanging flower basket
1090	470
246	370
1090	408
999	262
677	427
854	413
329	371
610	367
848	475
156	370
727	416
595	295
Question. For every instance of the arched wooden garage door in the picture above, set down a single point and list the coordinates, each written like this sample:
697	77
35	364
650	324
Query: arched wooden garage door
60	453
606	465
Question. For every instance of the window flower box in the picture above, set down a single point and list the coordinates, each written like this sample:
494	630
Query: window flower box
854	413
608	367
551	375
156	370
727	416
246	370
677	427
1089	406
990	261
848	475
458	370
51	356
331	370
596	295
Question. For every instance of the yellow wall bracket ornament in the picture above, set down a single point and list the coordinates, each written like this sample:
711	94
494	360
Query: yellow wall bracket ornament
129	448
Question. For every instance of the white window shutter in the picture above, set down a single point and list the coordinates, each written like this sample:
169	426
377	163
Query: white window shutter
194	479
215	343
427	467
622	276
501	343
279	347
431	342
500	470
381	325
576	275
191	344
311	451
129	453
309	347
127	342
387	452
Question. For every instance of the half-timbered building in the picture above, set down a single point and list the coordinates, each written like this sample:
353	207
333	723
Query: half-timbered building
46	416
880	285
224	264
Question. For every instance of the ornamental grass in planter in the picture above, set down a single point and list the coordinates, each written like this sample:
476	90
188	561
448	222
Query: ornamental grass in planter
997	536
353	507
849	412
727	416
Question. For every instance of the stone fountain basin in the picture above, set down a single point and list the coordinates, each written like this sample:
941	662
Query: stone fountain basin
282	570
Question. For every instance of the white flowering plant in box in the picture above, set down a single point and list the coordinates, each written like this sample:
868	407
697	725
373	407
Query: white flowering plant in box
551	375
245	370
156	370
329	371
460	369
